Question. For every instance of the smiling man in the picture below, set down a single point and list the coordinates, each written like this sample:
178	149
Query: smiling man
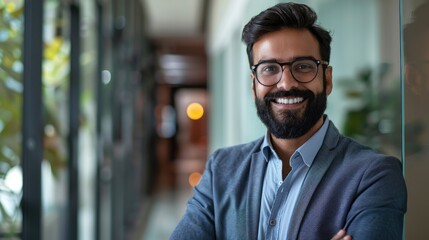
303	179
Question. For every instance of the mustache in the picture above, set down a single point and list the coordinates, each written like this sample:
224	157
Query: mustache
290	93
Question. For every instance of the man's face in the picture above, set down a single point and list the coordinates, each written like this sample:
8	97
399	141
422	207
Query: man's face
290	109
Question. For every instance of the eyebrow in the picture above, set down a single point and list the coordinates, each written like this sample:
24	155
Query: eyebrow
273	60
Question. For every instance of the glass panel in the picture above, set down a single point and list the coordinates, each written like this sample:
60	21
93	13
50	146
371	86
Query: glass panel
416	117
106	126
11	73
56	64
87	131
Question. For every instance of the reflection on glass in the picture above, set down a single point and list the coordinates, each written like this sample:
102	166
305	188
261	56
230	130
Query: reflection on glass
416	118
11	72
56	64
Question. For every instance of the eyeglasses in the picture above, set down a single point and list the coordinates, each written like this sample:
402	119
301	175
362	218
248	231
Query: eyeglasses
303	70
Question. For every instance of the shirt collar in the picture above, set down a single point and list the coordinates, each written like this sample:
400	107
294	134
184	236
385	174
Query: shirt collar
267	147
312	146
307	151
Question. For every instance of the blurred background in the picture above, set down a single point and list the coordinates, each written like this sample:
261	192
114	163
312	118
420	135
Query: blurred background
109	108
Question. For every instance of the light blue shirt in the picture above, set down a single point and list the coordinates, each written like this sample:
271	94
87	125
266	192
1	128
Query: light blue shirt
276	204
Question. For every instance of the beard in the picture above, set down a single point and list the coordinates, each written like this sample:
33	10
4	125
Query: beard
289	124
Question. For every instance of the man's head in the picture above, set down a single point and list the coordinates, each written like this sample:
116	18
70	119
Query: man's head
416	51
289	55
286	15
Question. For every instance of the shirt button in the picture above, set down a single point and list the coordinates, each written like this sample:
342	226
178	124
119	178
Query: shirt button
272	222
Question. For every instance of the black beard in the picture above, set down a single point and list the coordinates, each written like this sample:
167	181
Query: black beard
291	124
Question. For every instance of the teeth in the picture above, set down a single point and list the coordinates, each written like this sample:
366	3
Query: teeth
289	100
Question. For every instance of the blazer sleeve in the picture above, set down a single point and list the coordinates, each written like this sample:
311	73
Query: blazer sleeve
198	220
379	208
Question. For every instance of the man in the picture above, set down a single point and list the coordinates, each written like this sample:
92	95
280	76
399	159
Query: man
302	180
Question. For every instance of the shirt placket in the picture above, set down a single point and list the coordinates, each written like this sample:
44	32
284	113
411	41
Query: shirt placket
274	222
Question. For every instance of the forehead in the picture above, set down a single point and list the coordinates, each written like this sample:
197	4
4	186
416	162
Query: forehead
285	45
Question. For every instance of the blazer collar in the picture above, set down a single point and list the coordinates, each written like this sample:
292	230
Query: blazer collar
258	167
332	137
316	172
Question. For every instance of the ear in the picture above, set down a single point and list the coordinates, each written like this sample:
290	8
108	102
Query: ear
252	78
328	77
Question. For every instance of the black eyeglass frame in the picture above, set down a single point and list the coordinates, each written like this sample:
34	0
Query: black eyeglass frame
289	64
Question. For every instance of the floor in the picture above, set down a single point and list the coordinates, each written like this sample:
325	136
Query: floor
163	210
164	214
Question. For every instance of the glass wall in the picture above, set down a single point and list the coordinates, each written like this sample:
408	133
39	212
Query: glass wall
415	34
69	167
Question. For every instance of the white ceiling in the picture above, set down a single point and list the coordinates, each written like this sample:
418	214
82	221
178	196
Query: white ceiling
174	18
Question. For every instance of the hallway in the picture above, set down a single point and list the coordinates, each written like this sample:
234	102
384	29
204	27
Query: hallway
109	109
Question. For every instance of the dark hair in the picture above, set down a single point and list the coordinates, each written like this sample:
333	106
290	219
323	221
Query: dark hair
286	15
416	34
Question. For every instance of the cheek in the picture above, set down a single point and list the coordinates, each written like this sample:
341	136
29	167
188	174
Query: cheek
317	86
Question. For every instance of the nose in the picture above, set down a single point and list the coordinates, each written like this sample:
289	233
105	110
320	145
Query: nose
287	81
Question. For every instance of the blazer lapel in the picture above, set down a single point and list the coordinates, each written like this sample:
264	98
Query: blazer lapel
258	166
317	170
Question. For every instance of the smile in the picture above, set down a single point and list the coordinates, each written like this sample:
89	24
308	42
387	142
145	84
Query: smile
289	100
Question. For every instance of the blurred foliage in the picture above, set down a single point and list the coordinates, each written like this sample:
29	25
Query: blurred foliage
375	116
10	85
11	67
55	76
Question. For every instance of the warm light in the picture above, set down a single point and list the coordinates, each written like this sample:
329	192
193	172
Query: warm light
194	179
195	111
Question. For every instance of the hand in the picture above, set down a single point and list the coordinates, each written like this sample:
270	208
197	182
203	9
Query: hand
342	235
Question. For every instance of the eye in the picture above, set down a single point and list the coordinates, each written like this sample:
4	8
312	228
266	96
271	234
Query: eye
269	68
304	67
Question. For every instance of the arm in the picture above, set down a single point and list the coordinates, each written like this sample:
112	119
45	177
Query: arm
379	208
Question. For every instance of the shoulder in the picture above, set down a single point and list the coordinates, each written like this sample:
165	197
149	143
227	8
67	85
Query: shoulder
236	153
367	164
364	167
359	151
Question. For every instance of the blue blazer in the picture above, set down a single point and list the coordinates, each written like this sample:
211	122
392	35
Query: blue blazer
348	186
